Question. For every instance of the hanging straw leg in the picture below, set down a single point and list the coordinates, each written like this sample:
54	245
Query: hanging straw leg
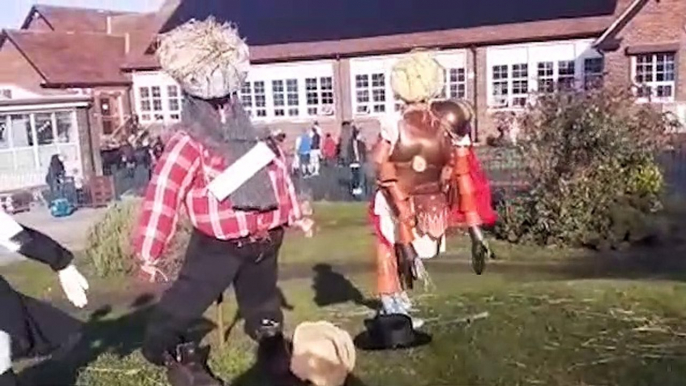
220	320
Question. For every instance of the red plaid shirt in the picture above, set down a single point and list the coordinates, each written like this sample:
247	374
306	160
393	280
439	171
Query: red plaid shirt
181	177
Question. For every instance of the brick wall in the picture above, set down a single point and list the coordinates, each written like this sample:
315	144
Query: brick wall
658	23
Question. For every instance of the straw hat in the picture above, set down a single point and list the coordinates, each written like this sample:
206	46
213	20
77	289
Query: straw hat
208	59
323	354
417	77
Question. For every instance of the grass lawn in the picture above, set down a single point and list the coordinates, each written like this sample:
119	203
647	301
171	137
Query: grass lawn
541	328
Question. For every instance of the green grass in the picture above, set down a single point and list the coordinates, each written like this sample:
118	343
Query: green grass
551	332
543	328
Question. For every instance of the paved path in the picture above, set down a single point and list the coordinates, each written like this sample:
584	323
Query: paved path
70	231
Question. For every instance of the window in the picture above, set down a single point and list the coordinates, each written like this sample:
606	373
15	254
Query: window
28	141
520	84
319	95
455	83
566	75
4	132
654	75
500	85
65	127
285	97
157	102
254	99
145	103
44	129
510	88
546	77
174	102
292	99
5	93
593	73
370	93
20	129
550	78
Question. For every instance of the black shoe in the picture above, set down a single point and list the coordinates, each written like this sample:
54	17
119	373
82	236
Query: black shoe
479	254
189	368
9	378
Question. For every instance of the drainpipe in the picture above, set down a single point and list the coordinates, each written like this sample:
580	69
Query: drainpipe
475	85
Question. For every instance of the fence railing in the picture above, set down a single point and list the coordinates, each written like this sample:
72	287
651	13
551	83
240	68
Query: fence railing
334	183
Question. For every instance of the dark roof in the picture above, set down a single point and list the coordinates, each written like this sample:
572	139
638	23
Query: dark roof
72	19
268	22
65	58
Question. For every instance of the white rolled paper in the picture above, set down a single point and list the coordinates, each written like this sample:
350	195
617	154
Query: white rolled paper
240	171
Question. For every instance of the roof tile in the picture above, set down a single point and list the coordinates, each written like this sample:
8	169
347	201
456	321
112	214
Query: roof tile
65	58
71	19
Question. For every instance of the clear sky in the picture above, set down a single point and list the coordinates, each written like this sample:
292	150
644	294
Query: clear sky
13	12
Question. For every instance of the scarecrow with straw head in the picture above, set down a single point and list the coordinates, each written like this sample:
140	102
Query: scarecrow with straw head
234	183
428	179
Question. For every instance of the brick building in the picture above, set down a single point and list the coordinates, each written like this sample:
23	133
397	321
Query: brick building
335	68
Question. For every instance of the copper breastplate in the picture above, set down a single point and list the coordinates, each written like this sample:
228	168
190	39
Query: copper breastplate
420	153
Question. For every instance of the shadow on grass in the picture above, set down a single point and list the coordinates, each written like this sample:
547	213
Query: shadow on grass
332	287
255	376
119	336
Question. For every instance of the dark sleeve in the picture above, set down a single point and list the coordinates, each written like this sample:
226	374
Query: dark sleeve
39	247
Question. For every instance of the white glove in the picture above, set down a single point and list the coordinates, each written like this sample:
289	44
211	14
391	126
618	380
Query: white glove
74	285
8	229
307	226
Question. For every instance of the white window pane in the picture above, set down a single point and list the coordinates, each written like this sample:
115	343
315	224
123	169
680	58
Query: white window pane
66	130
4	132
26	160
44	129
6	161
45	153
21	131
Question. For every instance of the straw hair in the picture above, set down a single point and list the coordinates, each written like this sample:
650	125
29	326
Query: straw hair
323	354
208	59
417	77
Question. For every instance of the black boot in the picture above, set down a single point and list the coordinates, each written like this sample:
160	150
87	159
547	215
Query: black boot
9	378
274	356
189	368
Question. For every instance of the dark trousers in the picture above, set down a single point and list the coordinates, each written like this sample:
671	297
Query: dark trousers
210	267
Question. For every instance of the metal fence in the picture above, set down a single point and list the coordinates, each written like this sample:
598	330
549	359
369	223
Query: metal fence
334	183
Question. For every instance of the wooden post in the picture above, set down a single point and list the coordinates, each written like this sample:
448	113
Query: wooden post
220	320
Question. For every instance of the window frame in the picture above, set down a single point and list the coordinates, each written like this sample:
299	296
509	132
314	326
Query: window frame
654	84
534	54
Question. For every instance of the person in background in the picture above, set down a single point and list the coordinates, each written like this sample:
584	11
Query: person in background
303	146
157	149
316	149
344	141
329	149
357	157
128	156
55	176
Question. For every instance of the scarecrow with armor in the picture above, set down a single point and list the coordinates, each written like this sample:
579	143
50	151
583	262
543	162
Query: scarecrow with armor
428	179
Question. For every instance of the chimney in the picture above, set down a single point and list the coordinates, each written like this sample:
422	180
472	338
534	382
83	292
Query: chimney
109	24
127	43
